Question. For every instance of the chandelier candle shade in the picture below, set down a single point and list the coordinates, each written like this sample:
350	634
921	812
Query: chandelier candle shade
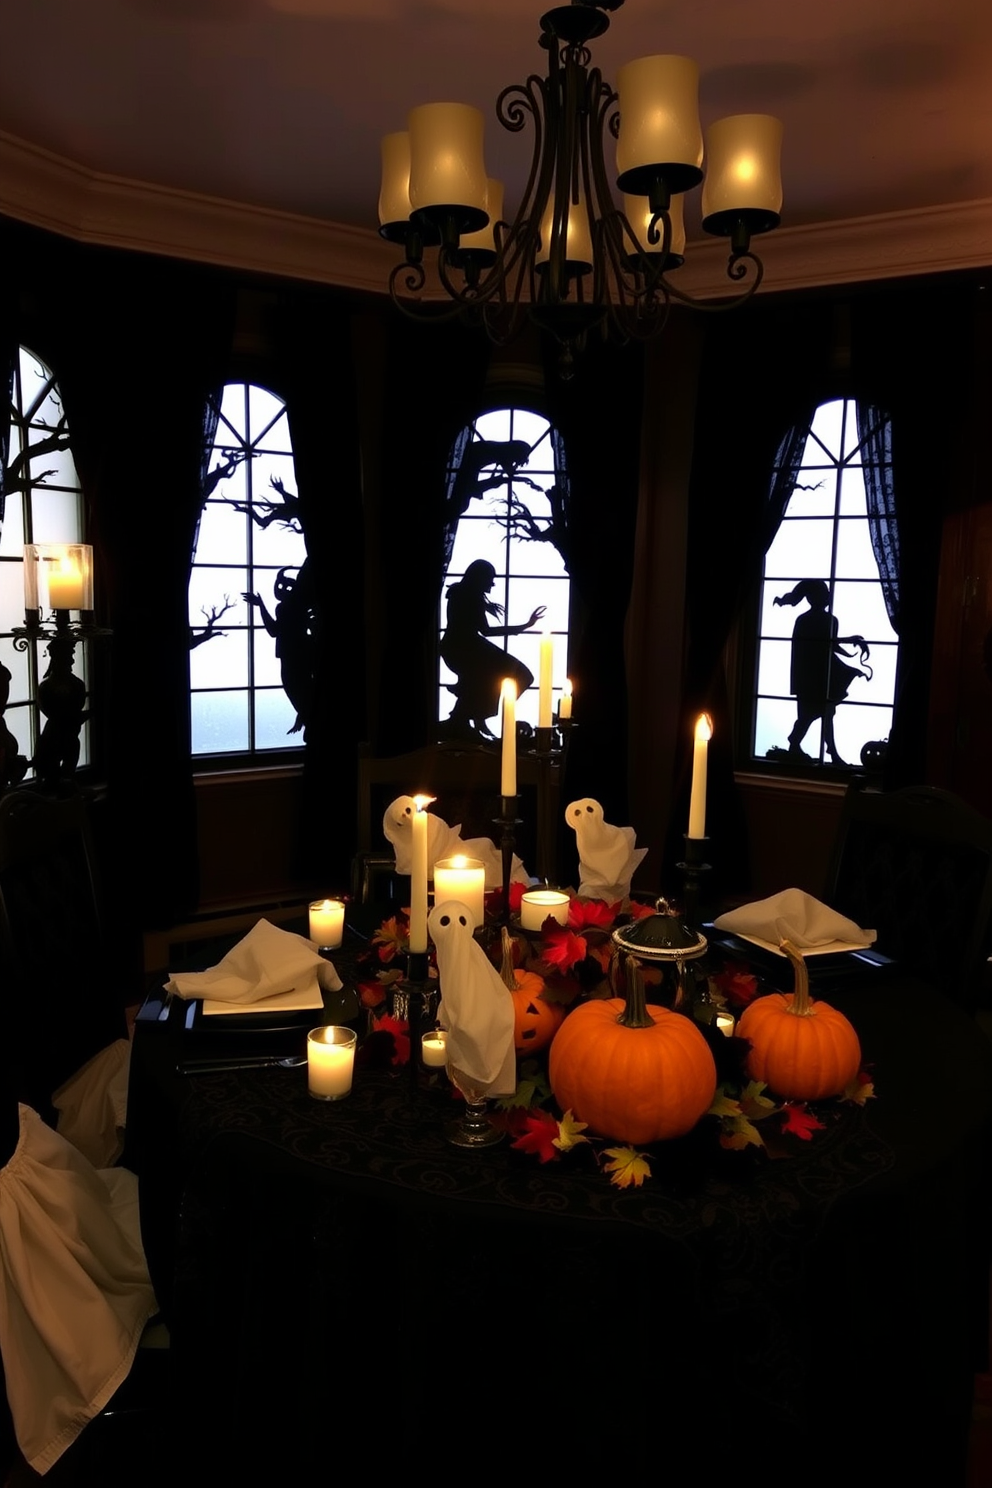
570	259
58	576
462	879
327	923
697	798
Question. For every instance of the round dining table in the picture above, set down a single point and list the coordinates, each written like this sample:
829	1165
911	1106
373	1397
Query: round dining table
339	1278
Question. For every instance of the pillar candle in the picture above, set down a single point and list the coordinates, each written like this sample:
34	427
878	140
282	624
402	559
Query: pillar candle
327	922
508	776
697	800
418	874
463	879
565	701
544	681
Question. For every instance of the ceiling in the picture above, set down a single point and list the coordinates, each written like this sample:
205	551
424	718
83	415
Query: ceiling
280	104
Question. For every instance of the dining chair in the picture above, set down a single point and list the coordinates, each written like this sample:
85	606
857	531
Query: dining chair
60	1003
465	782
916	866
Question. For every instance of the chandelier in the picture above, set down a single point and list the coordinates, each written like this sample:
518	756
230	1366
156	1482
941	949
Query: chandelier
572	260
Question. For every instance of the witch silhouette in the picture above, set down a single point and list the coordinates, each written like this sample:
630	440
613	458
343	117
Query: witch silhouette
820	676
479	665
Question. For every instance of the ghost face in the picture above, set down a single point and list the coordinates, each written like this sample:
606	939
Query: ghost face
581	815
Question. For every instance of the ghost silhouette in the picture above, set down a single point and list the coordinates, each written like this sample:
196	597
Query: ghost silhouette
607	854
476	1007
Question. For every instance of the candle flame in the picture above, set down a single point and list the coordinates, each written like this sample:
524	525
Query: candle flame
508	689
421	803
459	861
566	687
704	727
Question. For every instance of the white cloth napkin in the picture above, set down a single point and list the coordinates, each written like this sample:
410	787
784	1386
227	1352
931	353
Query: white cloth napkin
796	916
266	963
444	842
607	855
74	1288
476	1007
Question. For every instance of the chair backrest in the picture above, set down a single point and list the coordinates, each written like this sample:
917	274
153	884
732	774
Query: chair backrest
916	865
60	1004
465	781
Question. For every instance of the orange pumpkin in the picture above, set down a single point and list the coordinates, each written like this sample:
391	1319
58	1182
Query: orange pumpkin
633	1072
803	1050
535	1020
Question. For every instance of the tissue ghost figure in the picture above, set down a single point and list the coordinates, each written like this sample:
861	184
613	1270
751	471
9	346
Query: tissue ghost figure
444	842
607	855
476	1007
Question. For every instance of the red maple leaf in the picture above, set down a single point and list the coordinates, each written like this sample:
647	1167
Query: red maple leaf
641	911
562	948
400	1030
493	901
541	1130
591	914
371	994
392	937
799	1121
737	983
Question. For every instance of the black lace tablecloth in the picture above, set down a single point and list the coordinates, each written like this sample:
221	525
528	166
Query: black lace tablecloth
314	1252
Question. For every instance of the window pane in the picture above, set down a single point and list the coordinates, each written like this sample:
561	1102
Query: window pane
16	663
52	467
853	502
855	727
233	413
279	546
855	559
264	408
826	429
12	596
776	620
12	533
220	662
774	664
814	494
219	722
274	719
20	722
222	535
860	610
54	516
495	425
268	669
801	550
212	588
773	723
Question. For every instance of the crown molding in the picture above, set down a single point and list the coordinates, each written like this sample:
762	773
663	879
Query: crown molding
44	189
48	191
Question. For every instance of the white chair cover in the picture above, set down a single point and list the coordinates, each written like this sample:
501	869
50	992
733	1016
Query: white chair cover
92	1105
74	1288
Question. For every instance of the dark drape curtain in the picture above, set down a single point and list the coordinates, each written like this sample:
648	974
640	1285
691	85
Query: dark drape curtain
462	439
314	372
434	376
8	351
141	345
875	433
597	414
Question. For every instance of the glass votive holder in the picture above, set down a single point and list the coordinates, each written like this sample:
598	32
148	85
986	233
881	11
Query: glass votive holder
434	1048
330	1061
726	1024
537	904
327	923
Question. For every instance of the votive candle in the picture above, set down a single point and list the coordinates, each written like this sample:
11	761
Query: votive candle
434	1046
327	923
330	1061
565	701
537	904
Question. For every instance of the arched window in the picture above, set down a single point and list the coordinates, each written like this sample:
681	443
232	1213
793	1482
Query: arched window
507	504
41	503
828	615
251	620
